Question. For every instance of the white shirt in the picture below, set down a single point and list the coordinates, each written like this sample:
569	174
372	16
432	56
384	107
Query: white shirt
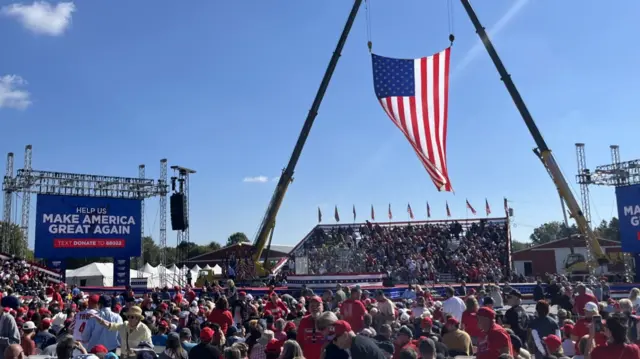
454	306
569	347
417	311
80	322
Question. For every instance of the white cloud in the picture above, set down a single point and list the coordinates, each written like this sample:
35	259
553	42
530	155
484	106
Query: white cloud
478	47
256	179
42	17
11	93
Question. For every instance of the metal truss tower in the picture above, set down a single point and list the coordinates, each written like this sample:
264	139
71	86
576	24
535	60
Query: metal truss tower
616	174
182	252
26	201
28	181
6	213
140	264
584	178
164	190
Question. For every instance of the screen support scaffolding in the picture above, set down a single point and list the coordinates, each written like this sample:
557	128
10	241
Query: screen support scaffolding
28	181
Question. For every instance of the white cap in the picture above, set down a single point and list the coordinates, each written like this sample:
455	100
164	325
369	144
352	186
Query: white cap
591	307
28	326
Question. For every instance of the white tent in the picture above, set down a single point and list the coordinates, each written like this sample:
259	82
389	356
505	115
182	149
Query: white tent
148	268
217	269
95	275
101	275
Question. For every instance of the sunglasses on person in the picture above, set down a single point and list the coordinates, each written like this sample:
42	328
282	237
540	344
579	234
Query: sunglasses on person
130	317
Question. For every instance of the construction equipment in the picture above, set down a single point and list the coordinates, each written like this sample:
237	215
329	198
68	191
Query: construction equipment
207	275
265	231
542	150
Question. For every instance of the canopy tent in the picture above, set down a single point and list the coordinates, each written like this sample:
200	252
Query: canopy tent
94	275
101	275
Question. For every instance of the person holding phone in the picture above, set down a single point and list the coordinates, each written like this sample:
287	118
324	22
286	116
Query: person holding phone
618	346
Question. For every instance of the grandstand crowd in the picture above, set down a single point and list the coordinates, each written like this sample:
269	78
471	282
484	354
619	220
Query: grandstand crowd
418	253
487	320
226	322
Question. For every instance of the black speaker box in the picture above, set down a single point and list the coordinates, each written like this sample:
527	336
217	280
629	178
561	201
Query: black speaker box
179	220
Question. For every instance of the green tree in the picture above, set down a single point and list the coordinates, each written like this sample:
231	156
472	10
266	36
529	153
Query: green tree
609	230
150	252
17	244
214	246
237	237
518	246
552	231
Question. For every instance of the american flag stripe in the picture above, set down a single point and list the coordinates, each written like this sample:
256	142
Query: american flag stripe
421	116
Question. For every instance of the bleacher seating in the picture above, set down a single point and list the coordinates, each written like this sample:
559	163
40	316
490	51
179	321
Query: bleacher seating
423	251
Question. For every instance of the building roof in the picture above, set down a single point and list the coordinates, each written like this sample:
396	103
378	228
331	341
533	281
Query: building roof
567	242
282	248
240	249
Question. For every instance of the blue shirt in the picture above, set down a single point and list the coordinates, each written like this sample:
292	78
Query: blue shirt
188	346
102	335
159	339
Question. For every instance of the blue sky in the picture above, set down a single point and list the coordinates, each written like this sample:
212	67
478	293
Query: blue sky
223	87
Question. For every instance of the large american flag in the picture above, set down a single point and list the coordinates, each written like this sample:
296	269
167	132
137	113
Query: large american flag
415	95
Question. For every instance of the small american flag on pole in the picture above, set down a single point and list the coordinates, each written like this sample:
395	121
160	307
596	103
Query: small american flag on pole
486	207
415	95
409	210
473	210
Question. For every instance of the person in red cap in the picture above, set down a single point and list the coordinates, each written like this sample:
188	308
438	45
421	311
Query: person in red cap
160	339
359	346
99	349
276	306
273	349
456	339
495	341
310	338
43	338
353	311
82	320
553	345
205	349
568	345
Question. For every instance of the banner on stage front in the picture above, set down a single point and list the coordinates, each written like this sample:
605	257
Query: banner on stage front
628	198
71	226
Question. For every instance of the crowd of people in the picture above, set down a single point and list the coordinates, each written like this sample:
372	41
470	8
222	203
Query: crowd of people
419	253
226	322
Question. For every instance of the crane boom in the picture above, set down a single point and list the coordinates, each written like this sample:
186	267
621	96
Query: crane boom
269	220
545	153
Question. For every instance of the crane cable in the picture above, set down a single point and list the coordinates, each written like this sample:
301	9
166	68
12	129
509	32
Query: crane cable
367	10
450	21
